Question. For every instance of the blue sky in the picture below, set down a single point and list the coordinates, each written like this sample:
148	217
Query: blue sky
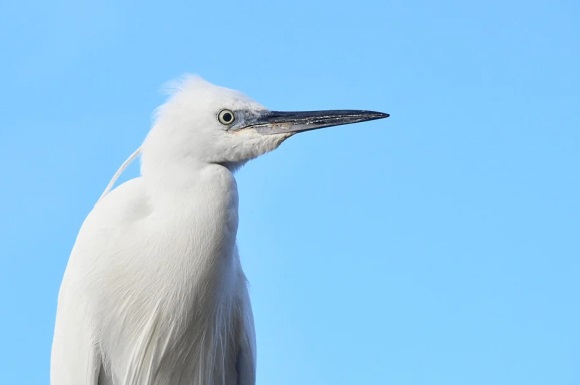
439	246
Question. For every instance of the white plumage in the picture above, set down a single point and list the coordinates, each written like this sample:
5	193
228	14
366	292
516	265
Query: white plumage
154	292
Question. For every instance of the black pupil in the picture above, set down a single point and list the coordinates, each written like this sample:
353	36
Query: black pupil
227	117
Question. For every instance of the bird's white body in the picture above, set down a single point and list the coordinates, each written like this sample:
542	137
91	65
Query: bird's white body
147	307
154	293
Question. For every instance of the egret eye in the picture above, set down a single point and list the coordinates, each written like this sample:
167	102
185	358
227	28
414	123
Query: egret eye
226	117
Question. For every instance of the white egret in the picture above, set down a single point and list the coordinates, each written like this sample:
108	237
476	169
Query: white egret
154	293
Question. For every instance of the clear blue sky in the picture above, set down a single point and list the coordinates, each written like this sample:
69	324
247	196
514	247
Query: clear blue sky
440	246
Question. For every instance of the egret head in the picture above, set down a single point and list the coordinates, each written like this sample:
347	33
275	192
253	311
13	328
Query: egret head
204	124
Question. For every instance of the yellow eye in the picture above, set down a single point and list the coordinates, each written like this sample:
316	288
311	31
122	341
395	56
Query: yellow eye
226	117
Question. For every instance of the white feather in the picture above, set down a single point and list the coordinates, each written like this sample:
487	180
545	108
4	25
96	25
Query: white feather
154	292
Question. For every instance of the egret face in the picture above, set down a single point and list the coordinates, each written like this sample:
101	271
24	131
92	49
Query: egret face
204	124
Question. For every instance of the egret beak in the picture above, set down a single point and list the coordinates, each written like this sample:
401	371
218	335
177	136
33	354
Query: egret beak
277	122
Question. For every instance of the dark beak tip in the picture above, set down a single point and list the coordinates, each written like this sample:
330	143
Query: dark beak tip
379	115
